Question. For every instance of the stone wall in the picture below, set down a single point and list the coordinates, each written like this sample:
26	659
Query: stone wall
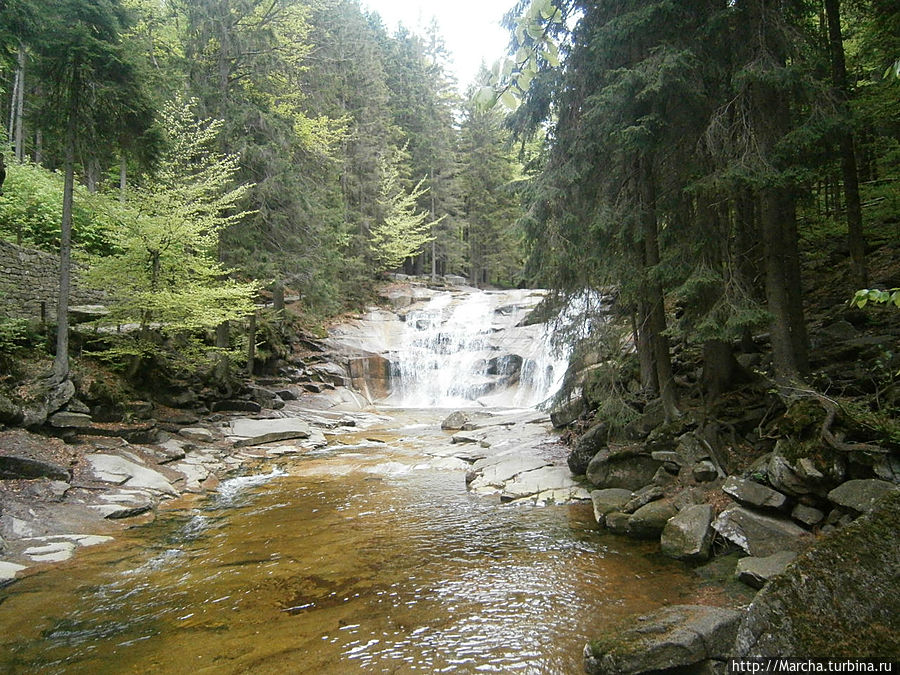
29	277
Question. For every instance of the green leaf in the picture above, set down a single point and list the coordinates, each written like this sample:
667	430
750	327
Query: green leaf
509	99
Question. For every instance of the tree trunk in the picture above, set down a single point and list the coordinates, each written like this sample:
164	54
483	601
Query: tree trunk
251	345
787	329
18	131
855	235
639	321
656	313
61	361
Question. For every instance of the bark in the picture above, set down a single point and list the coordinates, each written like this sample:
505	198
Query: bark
787	328
855	234
656	314
645	354
61	360
18	130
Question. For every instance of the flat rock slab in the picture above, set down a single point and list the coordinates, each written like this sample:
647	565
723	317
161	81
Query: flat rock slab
861	495
124	504
677	636
8	572
547	478
760	535
197	434
54	551
751	493
497	475
259	432
755	572
120	471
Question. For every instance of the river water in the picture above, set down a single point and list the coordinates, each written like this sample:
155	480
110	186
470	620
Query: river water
362	557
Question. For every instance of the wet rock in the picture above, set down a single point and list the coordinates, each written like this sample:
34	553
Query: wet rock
760	535
756	572
8	572
586	448
120	471
649	521
608	500
121	505
861	495
15	466
257	432
839	599
618	522
463	420
53	551
807	516
673	637
751	493
628	468
689	534
493	473
552	479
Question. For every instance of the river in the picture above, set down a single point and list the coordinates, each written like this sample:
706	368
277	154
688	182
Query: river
357	558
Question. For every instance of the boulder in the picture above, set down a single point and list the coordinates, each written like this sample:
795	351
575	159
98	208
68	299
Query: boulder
649	521
839	599
608	500
756	572
807	516
566	413
586	448
65	419
463	420
617	522
751	493
10	413
861	495
689	534
197	434
760	535
680	636
628	468
644	496
704	471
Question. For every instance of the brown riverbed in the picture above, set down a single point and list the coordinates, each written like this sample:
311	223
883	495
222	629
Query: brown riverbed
358	558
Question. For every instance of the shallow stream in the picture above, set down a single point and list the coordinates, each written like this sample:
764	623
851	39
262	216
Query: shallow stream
358	558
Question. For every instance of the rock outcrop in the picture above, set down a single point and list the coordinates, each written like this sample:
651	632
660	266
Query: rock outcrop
839	599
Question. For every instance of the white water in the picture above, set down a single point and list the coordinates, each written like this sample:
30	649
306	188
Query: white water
467	349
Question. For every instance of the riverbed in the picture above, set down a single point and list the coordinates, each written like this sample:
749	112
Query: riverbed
365	556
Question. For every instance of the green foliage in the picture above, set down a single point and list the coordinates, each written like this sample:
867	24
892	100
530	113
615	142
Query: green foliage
31	211
864	296
402	230
166	270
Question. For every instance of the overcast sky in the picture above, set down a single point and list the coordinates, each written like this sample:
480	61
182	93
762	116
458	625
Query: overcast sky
471	28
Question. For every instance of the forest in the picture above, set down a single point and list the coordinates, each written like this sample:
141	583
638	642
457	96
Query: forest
702	159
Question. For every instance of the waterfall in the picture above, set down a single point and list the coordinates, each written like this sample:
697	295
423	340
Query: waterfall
468	349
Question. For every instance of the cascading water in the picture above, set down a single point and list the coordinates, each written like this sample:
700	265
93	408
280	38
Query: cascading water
468	349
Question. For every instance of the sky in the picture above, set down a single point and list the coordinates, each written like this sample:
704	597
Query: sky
471	28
